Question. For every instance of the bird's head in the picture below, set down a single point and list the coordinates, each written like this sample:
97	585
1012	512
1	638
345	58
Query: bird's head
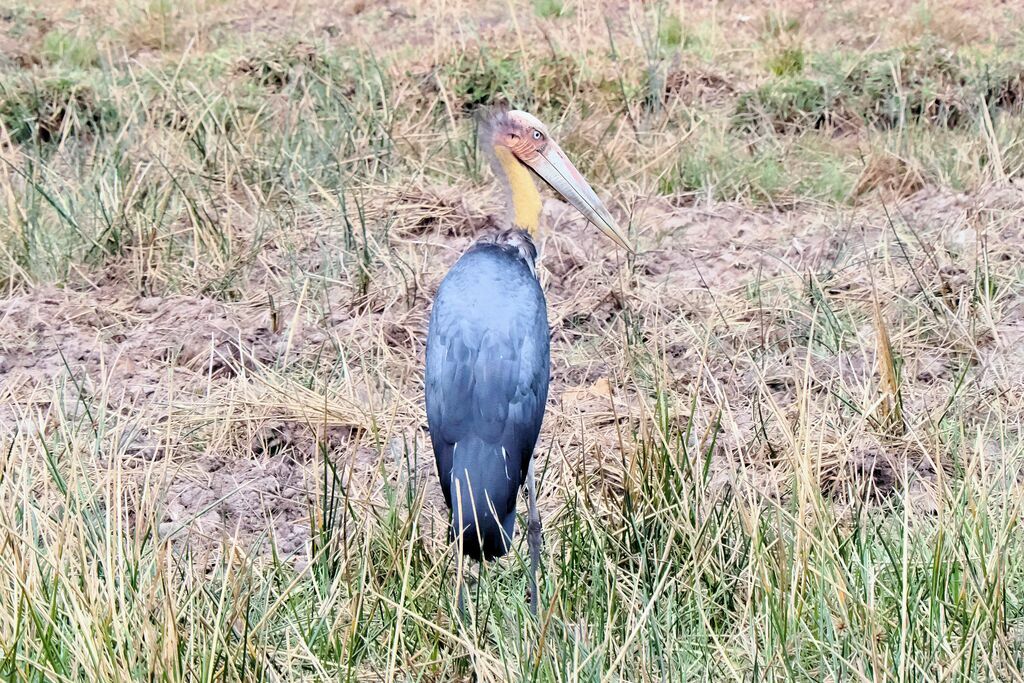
520	144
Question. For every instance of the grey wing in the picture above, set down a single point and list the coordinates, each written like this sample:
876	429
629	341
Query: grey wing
447	384
526	407
486	385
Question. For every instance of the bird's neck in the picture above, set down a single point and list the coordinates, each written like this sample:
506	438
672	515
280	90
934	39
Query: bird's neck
523	196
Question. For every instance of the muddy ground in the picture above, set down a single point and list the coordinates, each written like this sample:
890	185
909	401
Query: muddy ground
236	403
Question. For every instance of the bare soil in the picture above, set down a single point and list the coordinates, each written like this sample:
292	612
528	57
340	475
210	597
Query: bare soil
203	385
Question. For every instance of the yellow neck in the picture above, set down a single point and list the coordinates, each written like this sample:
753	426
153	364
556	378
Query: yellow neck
523	194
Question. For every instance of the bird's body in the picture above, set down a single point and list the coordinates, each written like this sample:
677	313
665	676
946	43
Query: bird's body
486	387
486	380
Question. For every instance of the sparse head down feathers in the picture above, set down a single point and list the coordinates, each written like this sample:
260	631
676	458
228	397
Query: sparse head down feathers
520	148
520	132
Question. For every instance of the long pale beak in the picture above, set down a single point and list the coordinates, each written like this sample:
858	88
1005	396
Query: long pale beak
558	172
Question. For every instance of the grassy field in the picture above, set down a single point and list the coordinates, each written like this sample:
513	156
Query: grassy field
783	441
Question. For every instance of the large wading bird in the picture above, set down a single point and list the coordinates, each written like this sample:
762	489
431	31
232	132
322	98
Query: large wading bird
488	352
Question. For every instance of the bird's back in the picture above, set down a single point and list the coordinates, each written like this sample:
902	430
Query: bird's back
486	386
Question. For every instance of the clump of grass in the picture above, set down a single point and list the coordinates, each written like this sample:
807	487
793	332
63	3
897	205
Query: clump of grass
787	61
152	25
279	65
724	166
70	50
778	24
890	410
920	84
931	85
725	170
670	32
51	107
785	104
551	9
486	77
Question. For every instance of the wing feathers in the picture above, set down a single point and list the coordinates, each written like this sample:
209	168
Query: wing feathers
487	362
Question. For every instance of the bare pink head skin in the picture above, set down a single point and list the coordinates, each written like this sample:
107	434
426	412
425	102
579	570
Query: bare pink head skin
521	146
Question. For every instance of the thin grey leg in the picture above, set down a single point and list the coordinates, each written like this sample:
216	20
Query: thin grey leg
460	559
460	588
533	530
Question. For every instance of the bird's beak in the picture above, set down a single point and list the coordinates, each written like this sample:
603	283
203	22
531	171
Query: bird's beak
557	171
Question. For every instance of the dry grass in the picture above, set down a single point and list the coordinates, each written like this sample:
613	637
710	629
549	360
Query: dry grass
782	442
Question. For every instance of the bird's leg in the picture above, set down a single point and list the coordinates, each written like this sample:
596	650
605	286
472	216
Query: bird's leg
460	563
533	535
460	584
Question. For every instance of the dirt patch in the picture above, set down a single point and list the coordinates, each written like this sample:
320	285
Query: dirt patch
21	32
123	347
698	84
754	328
81	357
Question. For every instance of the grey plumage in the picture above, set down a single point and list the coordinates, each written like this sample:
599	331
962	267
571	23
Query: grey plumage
487	349
486	386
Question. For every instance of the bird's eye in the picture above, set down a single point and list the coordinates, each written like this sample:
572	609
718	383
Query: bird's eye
537	135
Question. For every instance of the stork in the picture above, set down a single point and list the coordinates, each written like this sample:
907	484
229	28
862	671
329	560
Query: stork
488	354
